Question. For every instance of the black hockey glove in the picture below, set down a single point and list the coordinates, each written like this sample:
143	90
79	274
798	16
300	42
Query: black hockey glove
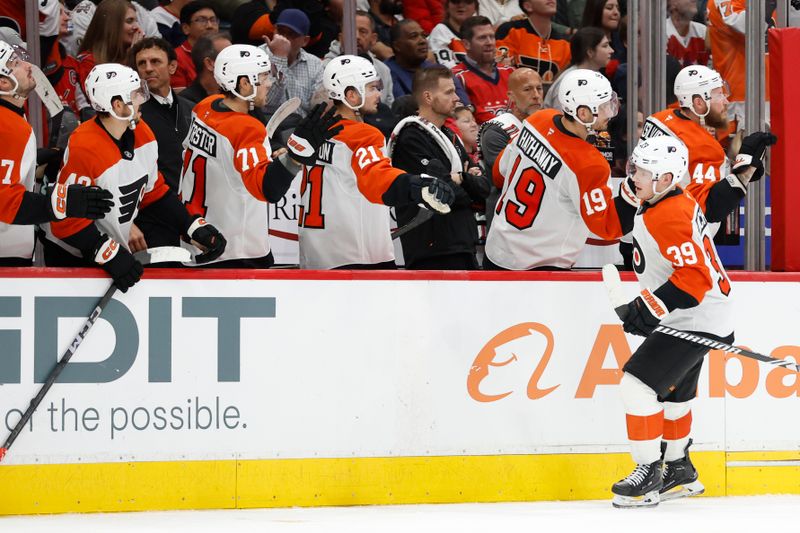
207	238
645	312
751	153
311	132
432	193
79	201
118	262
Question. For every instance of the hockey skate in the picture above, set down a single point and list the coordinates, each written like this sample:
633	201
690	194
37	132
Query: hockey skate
641	487
680	478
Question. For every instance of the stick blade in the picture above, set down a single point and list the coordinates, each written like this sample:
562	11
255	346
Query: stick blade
280	114
616	295
163	254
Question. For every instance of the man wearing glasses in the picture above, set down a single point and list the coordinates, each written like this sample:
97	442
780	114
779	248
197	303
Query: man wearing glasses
198	19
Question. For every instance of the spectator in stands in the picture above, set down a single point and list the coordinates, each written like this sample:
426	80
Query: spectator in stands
384	14
365	40
485	82
168	19
83	13
605	14
726	27
410	54
532	42
445	38
428	13
169	116
569	14
445	242
500	11
297	72
467	130
686	39
204	52
590	49
113	30
198	19
251	21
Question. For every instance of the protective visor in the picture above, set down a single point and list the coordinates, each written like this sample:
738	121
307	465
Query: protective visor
609	110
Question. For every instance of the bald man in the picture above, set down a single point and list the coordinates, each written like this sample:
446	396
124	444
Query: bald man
525	96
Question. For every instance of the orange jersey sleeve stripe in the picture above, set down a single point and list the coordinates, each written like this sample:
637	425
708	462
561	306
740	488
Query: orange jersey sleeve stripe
645	427
673	232
10	200
678	429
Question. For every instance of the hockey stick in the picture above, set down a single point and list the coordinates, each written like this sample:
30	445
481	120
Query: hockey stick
423	216
146	257
280	114
620	303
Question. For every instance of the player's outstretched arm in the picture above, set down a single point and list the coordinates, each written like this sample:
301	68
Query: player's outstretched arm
65	201
724	197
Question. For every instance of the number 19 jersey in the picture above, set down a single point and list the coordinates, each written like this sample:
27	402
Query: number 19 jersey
556	190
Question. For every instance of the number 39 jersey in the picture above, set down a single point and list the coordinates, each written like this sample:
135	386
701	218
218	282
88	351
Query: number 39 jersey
672	241
342	219
224	164
556	190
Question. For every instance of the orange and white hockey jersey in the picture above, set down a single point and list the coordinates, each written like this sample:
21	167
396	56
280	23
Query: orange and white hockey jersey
556	190
547	56
672	243
446	46
708	163
17	172
127	169
224	163
343	220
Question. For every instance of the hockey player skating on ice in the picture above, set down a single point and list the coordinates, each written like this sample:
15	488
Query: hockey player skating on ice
229	173
20	207
113	151
344	221
684	287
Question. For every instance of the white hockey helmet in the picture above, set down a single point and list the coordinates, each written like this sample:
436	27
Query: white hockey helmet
700	80
348	71
660	155
10	55
239	60
583	87
111	80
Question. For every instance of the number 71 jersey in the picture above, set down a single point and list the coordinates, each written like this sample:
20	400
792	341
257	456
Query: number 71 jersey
672	242
556	190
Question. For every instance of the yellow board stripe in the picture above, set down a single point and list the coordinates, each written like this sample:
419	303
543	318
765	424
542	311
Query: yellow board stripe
144	486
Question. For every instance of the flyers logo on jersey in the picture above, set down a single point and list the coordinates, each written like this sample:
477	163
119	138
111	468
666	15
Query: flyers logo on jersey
202	139
546	161
497	365
129	198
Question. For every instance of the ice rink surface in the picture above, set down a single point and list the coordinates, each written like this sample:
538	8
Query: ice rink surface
700	515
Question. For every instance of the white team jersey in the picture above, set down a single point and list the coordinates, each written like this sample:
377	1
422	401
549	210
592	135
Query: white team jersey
225	160
672	241
446	46
130	173
338	225
17	167
556	191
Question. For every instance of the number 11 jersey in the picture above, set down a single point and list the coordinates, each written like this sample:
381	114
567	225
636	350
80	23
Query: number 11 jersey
556	190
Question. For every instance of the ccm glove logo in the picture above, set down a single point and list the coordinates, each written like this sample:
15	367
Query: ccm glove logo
106	252
59	201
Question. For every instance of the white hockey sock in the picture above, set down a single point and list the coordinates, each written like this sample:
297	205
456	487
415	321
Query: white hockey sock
677	427
644	417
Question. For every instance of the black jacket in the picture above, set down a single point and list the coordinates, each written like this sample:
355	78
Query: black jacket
454	233
170	124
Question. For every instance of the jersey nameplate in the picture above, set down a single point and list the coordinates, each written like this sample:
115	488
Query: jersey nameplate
546	161
325	152
651	130
202	139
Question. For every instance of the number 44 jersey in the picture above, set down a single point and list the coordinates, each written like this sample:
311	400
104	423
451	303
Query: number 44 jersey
556	190
672	244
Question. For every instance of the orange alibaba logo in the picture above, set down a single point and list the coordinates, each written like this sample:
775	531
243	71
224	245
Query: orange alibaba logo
517	344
